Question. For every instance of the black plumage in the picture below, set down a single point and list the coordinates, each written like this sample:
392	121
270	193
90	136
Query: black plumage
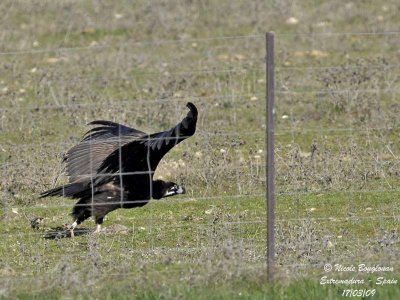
113	167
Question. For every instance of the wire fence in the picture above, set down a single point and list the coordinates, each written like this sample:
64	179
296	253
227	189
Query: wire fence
337	157
206	39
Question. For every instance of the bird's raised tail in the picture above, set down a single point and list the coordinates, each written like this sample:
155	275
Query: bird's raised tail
72	190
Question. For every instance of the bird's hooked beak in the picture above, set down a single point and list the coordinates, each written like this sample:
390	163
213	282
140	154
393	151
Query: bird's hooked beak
175	190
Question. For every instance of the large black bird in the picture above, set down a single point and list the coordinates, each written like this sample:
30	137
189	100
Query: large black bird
113	167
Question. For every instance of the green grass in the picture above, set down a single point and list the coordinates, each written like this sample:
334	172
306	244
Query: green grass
337	150
215	246
302	289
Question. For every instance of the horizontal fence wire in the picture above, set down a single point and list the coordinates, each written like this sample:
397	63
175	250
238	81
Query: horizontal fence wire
319	265
257	156
341	67
282	131
138	224
205	198
244	69
191	40
330	34
279	220
199	249
133	101
259	267
322	92
339	91
130	44
214	71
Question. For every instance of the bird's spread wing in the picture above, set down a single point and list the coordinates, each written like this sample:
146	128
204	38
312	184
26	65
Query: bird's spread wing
160	143
84	159
143	154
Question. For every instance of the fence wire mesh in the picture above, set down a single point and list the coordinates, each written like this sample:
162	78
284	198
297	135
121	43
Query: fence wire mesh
337	155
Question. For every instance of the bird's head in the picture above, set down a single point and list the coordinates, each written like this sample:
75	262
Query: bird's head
162	189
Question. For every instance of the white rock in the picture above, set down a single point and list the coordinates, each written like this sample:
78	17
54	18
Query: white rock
292	21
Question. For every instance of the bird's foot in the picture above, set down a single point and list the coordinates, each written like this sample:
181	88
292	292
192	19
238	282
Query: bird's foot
71	228
98	229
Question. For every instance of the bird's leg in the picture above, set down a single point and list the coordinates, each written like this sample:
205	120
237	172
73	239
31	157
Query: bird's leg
98	228
72	227
99	221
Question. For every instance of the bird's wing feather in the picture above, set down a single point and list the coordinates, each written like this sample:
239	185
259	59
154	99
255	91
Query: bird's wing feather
110	130
143	154
160	143
83	160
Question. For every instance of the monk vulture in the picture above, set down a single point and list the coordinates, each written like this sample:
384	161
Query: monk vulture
113	167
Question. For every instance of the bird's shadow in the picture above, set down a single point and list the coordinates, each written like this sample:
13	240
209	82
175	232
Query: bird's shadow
58	233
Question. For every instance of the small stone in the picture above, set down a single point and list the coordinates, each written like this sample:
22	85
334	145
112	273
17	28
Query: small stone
317	53
53	60
292	21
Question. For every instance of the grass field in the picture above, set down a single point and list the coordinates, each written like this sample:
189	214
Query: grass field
66	63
